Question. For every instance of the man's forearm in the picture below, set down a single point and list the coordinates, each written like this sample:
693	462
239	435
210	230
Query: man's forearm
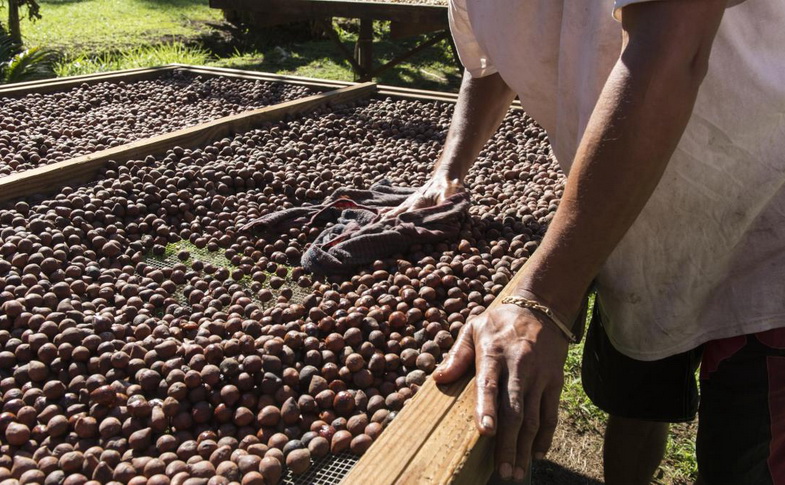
481	106
638	121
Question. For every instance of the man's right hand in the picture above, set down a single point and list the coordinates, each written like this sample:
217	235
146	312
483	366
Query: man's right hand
434	192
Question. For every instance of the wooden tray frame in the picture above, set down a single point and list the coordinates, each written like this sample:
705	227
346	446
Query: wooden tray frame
434	438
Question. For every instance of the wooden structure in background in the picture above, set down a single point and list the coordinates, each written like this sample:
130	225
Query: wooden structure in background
406	20
433	440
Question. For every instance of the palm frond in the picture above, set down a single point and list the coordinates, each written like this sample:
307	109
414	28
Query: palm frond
28	65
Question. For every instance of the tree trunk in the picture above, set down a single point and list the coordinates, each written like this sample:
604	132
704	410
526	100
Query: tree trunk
13	21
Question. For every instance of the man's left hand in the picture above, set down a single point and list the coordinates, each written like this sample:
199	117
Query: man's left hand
519	357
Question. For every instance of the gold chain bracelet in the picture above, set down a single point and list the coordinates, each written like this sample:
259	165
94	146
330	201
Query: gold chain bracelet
533	305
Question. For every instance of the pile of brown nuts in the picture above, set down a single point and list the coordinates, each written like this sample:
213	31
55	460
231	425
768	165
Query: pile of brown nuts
116	370
40	129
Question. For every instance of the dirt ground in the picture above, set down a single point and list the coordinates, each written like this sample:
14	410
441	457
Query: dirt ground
575	458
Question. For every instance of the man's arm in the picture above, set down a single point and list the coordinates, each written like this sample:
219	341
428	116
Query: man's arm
639	119
635	127
482	104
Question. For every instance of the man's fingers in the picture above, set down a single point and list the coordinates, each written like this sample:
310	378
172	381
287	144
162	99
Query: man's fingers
510	419
488	375
460	358
549	419
406	206
394	212
529	428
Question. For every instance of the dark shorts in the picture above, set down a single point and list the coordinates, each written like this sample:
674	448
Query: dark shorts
741	432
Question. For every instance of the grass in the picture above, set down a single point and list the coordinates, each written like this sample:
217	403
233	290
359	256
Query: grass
218	258
100	26
104	35
174	52
433	69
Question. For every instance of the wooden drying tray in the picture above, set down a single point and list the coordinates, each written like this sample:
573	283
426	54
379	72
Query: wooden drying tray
383	90
318	84
18	90
433	440
133	75
83	169
51	177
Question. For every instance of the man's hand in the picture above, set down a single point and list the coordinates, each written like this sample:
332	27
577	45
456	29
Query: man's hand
482	104
519	357
434	192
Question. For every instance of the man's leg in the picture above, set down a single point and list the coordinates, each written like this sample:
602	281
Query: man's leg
641	397
633	450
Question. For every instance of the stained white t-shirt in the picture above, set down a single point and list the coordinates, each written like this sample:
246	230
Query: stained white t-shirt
706	257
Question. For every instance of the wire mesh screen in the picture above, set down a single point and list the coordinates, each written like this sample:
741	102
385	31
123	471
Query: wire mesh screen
328	470
217	258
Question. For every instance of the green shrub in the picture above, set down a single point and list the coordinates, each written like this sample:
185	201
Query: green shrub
18	64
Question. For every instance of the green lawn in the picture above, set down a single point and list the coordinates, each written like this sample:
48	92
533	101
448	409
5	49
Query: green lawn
435	68
103	35
98	26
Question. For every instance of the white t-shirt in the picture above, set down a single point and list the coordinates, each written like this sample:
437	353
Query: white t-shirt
706	257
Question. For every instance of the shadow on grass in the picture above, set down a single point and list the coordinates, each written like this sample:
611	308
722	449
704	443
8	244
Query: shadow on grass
295	49
546	472
157	3
172	3
59	2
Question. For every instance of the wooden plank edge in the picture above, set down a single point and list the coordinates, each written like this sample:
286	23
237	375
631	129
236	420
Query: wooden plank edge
317	85
383	4
61	84
384	90
394	94
77	77
427	95
267	75
51	177
453	451
413	426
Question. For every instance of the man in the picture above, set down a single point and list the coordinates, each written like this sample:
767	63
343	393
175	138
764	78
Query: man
670	120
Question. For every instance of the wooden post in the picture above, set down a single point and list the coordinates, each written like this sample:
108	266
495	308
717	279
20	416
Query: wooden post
411	52
364	48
